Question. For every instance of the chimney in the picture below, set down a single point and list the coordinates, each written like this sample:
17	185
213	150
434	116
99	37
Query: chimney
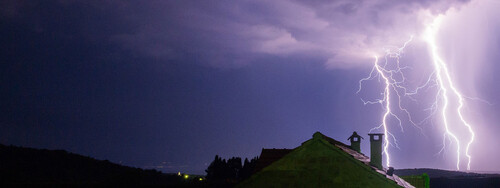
376	150
355	141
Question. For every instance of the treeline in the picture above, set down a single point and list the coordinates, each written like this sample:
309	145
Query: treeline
230	171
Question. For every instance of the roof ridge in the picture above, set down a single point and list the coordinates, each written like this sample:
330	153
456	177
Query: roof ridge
367	166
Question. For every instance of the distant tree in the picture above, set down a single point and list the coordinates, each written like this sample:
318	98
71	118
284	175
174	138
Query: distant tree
215	170
234	167
245	171
248	168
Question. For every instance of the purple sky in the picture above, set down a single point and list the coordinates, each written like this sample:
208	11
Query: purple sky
171	84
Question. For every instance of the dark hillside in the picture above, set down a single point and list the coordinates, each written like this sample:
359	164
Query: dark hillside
27	166
455	179
433	173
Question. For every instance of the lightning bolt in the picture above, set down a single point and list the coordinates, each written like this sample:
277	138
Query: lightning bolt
387	97
445	82
391	75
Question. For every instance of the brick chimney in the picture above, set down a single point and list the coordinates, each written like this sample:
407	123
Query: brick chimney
376	150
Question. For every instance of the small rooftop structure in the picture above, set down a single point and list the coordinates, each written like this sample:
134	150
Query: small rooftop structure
355	141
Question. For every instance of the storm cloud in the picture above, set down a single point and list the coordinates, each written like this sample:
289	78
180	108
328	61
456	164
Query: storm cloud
342	33
233	33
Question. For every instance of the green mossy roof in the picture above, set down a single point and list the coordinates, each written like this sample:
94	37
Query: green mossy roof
317	163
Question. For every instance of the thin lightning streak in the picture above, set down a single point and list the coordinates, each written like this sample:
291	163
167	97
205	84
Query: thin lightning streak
392	79
480	100
445	81
387	110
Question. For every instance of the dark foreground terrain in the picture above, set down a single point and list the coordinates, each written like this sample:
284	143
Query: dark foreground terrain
455	179
26	167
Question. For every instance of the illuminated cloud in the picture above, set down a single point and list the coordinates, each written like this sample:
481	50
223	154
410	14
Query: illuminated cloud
342	33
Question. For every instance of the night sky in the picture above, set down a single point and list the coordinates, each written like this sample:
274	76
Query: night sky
170	84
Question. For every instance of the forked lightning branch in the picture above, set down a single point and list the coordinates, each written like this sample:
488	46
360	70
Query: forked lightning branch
390	73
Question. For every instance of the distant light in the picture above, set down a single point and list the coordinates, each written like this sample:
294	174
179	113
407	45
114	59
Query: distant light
201	179
179	173
186	176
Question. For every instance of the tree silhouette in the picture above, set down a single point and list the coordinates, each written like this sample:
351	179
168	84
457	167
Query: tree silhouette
248	168
234	167
231	170
215	169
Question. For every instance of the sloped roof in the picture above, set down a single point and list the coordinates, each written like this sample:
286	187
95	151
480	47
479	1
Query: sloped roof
321	162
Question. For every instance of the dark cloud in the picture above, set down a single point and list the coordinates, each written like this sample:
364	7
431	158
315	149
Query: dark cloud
234	33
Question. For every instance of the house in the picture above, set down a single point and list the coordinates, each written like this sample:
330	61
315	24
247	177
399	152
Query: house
324	162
